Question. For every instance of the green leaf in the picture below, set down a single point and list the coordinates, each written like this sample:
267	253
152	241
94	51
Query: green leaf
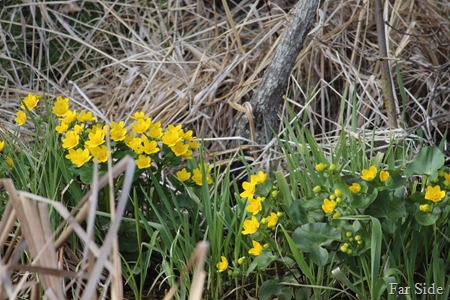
427	162
428	218
264	260
311	237
273	287
364	200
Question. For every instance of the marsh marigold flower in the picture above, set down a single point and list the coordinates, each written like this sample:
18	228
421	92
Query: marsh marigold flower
143	162
222	265
254	206
69	117
71	140
2	145
155	130
61	106
259	178
434	194
179	148
369	174
139	115
96	139
86	117
172	135
183	174
384	176
256	250
250	226
197	177
272	220
118	132
249	190
328	206
21	118
355	188
79	157
141	125
101	153
61	128
30	101
150	147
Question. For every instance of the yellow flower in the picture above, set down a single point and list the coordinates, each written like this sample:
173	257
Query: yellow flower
370	174
272	220
249	190
61	128
118	132
150	147
198	177
10	162
250	226
78	128
21	118
328	206
139	115
254	206
172	135
61	106
86	117
447	176
141	125
96	139
143	162
2	146
256	250
222	265
320	167
155	130
384	175
95	128
79	157
434	194
101	153
258	179
71	140
69	117
425	208
136	145
183	175
179	148
188	154
186	135
30	101
193	144
355	188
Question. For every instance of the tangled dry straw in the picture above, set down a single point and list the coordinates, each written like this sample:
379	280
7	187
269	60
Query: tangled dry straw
190	61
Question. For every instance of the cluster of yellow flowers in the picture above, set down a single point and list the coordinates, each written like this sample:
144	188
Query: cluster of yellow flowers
84	138
336	198
250	226
29	103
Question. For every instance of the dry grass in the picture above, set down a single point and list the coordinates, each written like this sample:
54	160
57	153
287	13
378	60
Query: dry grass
190	62
196	63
